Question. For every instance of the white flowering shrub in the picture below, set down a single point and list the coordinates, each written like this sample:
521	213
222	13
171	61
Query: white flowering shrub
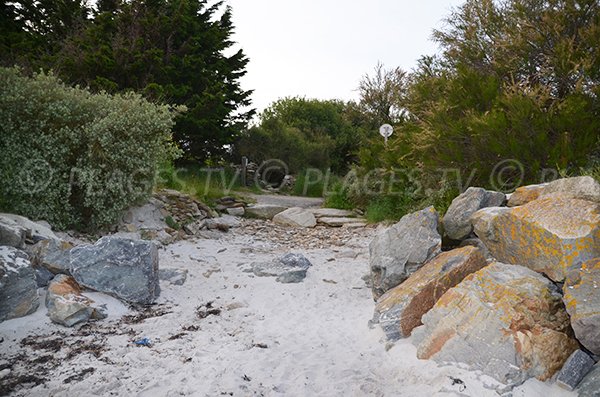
74	158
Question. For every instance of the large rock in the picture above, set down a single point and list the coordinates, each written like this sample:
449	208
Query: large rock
18	288
296	217
12	234
582	300
590	386
578	365
581	187
127	269
264	211
400	309
53	255
457	221
525	194
66	305
34	231
505	320
290	268
404	248
150	216
550	235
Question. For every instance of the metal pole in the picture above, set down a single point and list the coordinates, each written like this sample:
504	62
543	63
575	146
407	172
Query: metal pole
244	166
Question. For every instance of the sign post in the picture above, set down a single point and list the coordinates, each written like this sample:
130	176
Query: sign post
386	131
244	170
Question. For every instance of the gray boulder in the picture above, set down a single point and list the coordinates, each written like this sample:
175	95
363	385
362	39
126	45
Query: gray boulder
35	231
578	365
264	211
66	305
223	223
404	248
18	288
11	233
457	221
590	386
53	255
582	300
150	216
127	269
296	217
581	187
290	268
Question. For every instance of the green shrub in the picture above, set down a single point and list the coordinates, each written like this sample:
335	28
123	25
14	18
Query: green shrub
74	158
338	197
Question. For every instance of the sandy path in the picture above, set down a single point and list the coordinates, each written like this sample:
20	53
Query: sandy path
270	339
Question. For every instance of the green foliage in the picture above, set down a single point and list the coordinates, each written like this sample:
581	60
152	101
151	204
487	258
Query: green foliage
305	133
207	184
172	223
517	81
171	51
338	197
74	158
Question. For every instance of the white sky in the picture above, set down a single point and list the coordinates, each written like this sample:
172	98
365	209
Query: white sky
321	48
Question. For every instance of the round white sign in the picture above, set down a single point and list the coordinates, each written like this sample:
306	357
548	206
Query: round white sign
386	130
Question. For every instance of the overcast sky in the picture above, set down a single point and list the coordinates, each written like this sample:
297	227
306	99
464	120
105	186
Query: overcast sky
321	48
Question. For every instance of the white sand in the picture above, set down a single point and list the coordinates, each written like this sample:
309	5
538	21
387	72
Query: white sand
316	336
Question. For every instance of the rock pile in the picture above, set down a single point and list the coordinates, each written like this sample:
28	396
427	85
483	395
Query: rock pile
518	299
122	267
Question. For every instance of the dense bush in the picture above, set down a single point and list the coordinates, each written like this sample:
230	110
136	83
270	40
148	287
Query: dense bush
306	133
512	99
74	158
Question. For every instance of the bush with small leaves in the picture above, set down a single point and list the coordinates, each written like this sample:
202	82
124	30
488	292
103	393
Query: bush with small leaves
74	158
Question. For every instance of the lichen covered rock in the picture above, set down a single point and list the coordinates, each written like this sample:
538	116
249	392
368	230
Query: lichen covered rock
551	235
505	320
525	194
400	309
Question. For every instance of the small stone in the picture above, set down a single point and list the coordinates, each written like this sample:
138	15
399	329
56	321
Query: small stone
577	366
173	276
291	268
66	305
236	211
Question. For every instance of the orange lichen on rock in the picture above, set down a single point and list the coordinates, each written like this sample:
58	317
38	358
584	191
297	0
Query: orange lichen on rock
505	320
551	235
400	309
525	194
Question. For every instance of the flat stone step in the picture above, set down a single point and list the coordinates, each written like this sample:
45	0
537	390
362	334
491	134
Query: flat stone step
332	213
338	222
